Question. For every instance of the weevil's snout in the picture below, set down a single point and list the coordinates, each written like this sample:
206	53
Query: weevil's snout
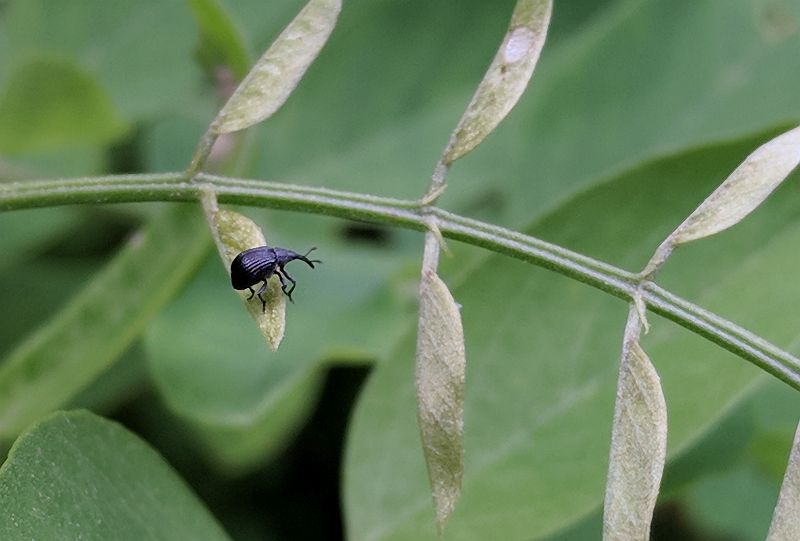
284	256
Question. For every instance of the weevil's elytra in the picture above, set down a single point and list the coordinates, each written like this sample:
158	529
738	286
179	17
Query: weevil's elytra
259	264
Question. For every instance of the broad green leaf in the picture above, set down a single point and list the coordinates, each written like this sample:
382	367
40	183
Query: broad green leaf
104	38
774	409
440	367
60	163
74	240
541	378
75	475
85	337
237	448
26	232
118	385
37	294
638	442
102	41
714	501
280	69
620	71
234	233
733	504
506	78
49	104
594	85
221	42
786	520
168	143
584	530
718	450
741	193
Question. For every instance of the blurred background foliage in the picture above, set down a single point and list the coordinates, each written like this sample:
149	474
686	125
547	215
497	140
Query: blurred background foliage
637	110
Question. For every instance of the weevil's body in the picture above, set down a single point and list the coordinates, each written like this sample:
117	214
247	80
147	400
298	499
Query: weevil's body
259	264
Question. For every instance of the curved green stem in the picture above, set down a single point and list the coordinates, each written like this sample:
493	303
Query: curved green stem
408	214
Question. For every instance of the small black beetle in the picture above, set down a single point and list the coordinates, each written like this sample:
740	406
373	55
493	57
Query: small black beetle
259	264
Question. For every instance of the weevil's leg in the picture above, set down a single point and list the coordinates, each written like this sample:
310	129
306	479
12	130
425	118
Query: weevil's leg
252	292
283	283
282	279
261	296
292	280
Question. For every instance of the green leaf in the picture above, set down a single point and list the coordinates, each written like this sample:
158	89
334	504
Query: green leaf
716	505
638	442
167	143
221	42
279	70
77	476
754	466
84	338
579	122
49	104
718	450
121	383
63	163
786	520
774	408
541	378
37	294
102	40
440	368
741	193
105	38
505	80
24	233
237	448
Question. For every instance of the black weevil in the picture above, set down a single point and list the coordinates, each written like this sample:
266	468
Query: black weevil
259	264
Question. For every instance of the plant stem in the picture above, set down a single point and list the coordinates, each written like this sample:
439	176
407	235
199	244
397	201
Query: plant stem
408	214
202	151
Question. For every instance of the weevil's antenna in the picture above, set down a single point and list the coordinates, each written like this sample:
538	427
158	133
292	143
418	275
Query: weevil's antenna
305	256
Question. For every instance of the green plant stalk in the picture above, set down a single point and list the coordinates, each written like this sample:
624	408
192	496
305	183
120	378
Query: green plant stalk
408	214
202	151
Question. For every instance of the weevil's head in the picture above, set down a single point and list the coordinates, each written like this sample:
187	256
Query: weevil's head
284	256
